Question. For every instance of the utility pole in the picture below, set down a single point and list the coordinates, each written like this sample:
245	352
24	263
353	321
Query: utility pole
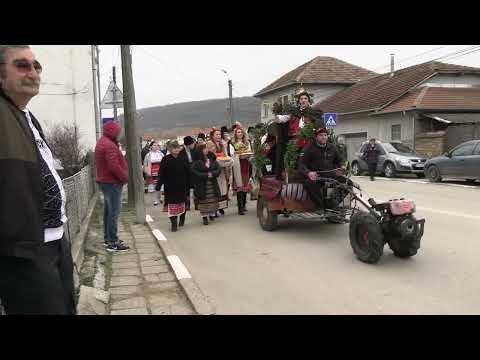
115	93
95	91
133	152
97	49
230	105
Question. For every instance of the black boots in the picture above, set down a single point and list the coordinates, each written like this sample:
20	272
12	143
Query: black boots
244	201
240	203
205	220
173	220
182	219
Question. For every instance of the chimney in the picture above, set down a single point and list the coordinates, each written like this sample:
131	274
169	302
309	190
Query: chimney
392	64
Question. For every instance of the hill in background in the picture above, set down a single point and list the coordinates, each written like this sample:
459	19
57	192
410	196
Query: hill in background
182	117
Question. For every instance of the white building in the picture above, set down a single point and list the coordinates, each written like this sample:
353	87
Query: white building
66	93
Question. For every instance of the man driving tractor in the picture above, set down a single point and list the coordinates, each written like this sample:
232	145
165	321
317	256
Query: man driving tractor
320	155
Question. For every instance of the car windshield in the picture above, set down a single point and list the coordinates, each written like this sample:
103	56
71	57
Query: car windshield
402	148
389	148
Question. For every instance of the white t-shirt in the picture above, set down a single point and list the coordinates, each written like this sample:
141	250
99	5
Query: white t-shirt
51	234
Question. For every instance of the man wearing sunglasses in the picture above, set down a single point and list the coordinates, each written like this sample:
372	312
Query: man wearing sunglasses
36	267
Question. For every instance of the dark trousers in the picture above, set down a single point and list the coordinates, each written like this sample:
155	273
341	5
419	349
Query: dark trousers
112	205
372	168
315	192
40	286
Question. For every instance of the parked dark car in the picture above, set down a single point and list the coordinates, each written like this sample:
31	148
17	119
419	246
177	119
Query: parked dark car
462	162
395	158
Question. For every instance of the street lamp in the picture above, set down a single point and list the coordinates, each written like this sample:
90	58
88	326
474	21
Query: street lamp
230	108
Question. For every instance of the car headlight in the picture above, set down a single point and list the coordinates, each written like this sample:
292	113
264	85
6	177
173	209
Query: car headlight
404	162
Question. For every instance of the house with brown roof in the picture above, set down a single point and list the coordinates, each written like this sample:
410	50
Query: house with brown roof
322	76
431	106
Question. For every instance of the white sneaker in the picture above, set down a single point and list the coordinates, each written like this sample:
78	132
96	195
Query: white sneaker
155	203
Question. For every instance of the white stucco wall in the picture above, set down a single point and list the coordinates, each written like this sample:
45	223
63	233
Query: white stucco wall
379	127
67	69
320	93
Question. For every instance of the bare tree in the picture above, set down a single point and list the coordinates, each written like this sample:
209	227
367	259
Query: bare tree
64	141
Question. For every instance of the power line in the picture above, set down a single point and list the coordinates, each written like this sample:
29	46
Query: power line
445	57
465	54
411	57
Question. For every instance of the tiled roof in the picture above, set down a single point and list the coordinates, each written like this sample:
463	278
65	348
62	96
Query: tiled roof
322	69
437	98
379	91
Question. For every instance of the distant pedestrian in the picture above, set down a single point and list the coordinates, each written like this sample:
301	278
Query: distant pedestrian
205	171
36	266
370	156
112	174
201	139
187	154
175	176
241	168
221	149
151	168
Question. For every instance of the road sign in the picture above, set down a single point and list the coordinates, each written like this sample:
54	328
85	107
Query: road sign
330	120
107	102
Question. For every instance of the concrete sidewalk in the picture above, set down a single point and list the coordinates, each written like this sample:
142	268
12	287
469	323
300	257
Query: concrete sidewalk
138	282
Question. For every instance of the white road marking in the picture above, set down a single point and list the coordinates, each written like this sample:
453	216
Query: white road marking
452	213
148	218
180	270
423	182
158	234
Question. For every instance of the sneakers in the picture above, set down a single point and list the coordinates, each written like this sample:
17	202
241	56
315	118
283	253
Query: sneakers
155	203
117	248
105	244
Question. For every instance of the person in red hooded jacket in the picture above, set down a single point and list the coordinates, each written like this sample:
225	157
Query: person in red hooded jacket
112	174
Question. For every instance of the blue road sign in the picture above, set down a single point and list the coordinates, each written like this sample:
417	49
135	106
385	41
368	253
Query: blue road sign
330	120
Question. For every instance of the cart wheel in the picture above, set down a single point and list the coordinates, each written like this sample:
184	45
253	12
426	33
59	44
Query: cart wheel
405	247
366	237
268	219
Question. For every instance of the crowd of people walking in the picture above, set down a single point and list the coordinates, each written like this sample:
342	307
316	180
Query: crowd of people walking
211	165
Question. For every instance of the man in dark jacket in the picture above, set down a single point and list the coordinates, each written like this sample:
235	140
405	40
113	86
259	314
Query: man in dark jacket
370	156
36	267
112	174
318	156
188	155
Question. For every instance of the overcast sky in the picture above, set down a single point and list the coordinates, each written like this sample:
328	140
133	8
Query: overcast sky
167	74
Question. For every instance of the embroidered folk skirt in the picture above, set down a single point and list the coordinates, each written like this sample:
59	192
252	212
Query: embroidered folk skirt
209	205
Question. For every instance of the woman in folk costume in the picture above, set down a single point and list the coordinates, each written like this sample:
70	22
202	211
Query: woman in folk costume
151	168
175	176
241	171
205	172
220	149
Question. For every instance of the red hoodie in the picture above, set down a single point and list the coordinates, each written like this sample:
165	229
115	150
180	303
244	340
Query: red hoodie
111	165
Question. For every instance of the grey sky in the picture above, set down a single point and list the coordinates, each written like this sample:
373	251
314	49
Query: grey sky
167	74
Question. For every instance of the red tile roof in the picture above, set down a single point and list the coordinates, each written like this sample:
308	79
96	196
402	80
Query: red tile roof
379	91
437	98
322	69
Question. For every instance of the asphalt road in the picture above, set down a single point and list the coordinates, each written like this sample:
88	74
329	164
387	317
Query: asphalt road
308	267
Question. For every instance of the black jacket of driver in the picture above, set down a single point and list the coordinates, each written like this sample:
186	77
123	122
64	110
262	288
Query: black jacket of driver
315	157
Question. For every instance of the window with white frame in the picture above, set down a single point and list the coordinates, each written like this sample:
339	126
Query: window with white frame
265	110
285	99
396	132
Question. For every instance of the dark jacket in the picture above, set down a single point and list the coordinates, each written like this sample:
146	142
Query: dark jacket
21	186
317	158
200	176
110	163
175	176
371	154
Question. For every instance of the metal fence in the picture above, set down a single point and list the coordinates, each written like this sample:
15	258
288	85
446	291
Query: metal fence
79	190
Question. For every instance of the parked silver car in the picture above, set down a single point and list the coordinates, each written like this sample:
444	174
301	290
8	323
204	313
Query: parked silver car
462	162
395	158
